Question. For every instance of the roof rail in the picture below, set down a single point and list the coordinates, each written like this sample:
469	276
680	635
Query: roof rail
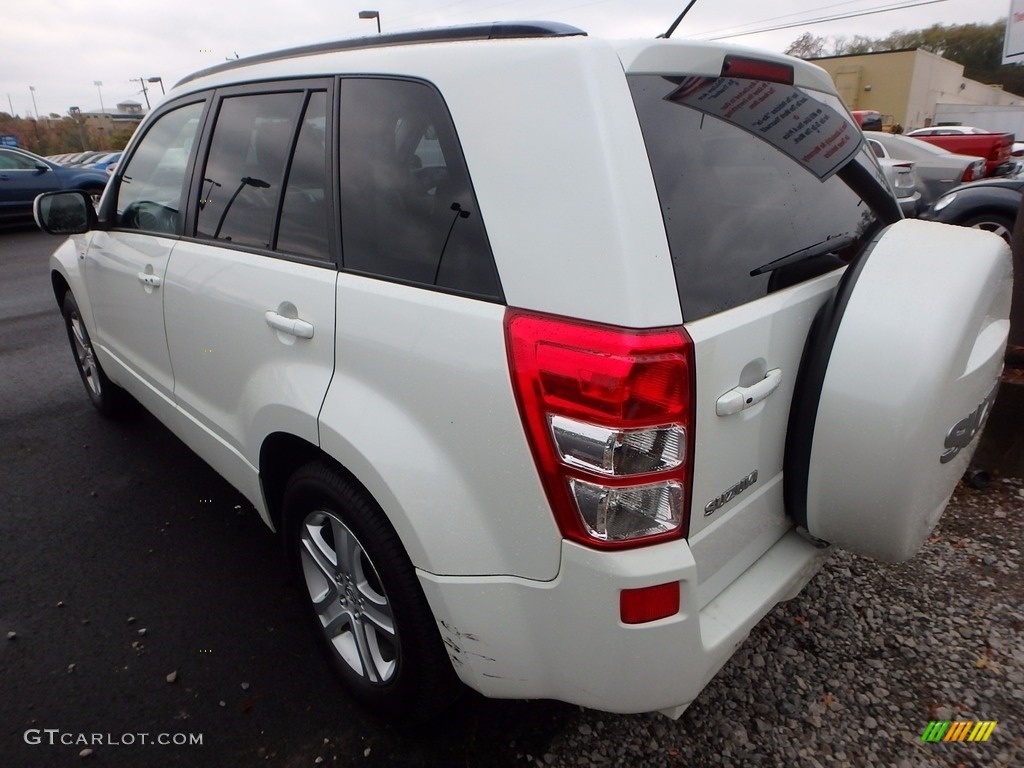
498	30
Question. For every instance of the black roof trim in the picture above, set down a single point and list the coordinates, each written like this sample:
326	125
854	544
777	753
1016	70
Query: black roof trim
496	31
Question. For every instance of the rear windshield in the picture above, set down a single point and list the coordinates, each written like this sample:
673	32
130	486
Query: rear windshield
754	190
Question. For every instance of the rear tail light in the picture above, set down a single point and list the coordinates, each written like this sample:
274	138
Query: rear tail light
974	171
608	414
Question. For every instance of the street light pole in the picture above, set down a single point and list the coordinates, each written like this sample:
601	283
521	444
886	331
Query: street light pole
32	88
371	15
99	84
157	80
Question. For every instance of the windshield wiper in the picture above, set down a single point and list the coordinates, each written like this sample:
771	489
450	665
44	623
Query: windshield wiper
830	244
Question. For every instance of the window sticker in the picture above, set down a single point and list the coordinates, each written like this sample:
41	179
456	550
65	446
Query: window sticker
812	133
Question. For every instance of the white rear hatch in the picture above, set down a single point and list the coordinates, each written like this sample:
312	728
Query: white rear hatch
767	191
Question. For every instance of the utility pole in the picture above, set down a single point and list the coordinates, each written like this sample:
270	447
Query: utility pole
145	91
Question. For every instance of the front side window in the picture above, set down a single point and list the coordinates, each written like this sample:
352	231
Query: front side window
245	167
408	211
151	189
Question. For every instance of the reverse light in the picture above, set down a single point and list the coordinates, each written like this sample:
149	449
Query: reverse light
639	606
618	451
904	177
620	514
608	414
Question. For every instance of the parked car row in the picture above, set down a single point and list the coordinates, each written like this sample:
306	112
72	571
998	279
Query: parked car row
24	175
951	187
100	160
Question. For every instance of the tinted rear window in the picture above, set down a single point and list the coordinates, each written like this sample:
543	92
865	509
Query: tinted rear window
733	202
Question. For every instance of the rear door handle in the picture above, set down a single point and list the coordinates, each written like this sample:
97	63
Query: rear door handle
741	398
148	278
293	326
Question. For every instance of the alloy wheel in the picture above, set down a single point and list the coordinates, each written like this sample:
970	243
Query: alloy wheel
348	598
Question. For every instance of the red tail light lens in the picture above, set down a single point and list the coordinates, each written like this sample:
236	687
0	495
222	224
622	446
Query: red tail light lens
638	606
974	171
608	413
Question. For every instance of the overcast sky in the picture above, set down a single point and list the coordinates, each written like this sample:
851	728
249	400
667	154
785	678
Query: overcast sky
61	47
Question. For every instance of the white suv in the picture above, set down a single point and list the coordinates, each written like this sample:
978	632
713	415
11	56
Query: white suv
556	360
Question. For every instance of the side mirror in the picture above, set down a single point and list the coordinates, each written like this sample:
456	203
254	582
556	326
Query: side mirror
42	167
64	213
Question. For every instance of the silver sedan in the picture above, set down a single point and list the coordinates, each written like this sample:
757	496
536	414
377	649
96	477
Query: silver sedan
938	171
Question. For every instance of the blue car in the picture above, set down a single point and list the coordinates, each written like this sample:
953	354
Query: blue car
989	204
104	162
24	175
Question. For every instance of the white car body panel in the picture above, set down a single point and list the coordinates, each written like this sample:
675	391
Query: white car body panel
235	378
511	638
737	348
421	411
128	324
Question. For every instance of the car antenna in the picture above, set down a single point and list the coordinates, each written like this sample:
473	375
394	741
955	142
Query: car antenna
459	214
668	33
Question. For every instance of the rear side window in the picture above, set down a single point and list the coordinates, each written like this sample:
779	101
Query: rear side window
305	223
408	211
734	203
245	167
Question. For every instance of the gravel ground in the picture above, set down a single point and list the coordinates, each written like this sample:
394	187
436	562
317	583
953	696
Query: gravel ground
852	670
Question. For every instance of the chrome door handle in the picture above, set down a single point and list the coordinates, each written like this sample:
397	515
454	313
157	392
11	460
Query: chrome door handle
741	398
293	326
148	278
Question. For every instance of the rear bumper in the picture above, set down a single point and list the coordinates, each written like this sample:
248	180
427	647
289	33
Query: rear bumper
514	638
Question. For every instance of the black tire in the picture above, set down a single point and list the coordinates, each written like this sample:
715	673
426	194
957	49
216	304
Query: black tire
366	607
109	399
991	222
95	193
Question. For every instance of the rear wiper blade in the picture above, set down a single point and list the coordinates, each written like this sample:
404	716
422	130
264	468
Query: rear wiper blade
828	245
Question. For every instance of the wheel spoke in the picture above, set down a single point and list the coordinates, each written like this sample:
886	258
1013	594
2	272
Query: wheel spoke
346	548
380	617
338	623
319	571
84	355
80	342
369	652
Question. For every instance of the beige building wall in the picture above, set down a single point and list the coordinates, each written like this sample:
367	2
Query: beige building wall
905	86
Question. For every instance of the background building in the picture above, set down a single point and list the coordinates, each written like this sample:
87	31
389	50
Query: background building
127	115
906	85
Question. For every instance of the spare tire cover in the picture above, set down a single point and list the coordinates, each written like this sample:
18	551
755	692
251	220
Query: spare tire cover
898	376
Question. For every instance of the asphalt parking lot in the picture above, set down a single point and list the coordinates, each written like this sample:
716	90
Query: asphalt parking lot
139	595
